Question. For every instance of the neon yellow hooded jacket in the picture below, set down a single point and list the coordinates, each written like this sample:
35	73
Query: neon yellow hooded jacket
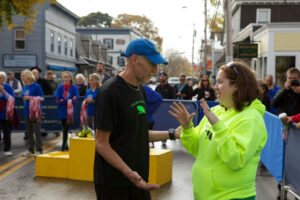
227	153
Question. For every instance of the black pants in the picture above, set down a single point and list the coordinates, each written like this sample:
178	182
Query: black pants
6	127
65	128
124	193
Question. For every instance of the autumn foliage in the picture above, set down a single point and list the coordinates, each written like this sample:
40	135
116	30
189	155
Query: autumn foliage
24	8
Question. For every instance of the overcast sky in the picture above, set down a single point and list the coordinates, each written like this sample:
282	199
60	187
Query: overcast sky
173	18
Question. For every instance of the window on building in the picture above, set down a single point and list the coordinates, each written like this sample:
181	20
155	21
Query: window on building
59	43
66	45
109	43
263	16
121	61
110	60
51	41
20	39
71	47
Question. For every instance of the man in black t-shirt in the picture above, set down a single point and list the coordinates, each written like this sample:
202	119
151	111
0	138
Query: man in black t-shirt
121	164
164	88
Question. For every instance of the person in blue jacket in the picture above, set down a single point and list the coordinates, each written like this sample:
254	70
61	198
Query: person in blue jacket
63	93
32	89
153	100
91	94
5	90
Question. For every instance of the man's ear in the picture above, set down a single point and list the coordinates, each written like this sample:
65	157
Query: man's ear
133	58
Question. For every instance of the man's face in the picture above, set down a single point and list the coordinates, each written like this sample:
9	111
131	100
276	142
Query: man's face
269	80
292	76
100	68
144	69
182	79
163	78
36	73
10	76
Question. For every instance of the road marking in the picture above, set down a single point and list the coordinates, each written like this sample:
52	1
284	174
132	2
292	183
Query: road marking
19	158
51	145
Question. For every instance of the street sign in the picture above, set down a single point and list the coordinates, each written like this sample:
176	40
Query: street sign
247	50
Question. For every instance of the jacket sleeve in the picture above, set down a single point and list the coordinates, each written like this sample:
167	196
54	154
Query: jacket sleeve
236	145
172	93
278	99
154	99
296	118
190	138
212	95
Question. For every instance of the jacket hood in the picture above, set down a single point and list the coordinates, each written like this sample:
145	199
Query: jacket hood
256	104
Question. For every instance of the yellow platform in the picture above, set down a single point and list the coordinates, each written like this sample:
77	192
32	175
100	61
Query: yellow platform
55	164
78	163
82	155
160	171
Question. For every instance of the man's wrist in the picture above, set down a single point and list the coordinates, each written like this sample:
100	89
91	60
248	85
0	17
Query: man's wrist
172	134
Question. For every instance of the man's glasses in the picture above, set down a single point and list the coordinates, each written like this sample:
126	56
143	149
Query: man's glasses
231	65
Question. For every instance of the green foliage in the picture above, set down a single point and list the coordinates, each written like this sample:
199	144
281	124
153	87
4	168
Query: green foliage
97	19
141	23
24	8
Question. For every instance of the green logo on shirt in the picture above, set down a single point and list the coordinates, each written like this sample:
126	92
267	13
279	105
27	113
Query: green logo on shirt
141	110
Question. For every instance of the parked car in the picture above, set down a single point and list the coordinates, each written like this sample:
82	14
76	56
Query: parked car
173	80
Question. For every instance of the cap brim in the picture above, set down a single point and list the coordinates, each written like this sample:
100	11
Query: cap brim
156	59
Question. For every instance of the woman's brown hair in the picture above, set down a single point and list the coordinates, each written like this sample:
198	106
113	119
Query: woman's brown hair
240	74
201	82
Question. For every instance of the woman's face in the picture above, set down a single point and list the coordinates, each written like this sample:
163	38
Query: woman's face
2	79
224	90
79	80
205	81
25	79
92	82
66	78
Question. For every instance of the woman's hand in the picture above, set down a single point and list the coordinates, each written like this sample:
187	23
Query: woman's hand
181	114
26	98
206	110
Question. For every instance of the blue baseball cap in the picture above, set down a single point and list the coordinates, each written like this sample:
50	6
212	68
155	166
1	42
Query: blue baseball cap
144	47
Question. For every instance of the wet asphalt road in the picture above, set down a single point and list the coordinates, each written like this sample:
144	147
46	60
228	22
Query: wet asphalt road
21	183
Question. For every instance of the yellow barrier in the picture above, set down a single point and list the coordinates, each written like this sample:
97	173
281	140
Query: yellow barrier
55	164
78	164
82	154
160	171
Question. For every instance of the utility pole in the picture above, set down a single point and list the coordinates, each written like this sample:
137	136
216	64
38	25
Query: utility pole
229	54
205	38
194	34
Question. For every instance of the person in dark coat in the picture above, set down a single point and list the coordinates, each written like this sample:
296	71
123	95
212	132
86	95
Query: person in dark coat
80	84
205	90
164	88
45	85
101	71
265	98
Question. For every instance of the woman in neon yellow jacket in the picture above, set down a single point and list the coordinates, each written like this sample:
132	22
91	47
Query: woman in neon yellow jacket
229	139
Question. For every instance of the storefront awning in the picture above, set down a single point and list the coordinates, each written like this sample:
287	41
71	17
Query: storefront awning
55	67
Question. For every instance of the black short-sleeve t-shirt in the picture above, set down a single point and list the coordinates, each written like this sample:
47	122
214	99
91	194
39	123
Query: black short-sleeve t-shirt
121	110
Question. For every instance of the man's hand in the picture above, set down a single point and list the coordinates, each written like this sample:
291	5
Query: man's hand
286	119
178	132
296	89
137	180
287	84
298	125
